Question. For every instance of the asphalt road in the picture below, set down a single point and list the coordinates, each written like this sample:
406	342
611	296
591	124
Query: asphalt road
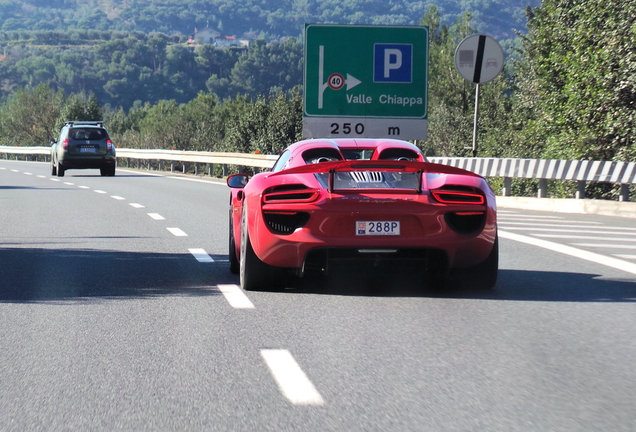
118	312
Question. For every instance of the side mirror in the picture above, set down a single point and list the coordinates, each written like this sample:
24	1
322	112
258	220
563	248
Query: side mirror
237	180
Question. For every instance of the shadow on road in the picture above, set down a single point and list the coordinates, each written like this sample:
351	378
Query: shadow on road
45	275
514	285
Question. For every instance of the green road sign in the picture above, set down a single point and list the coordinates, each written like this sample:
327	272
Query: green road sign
367	81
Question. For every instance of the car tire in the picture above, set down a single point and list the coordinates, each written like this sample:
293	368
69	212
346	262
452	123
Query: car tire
255	275
53	167
483	276
234	262
108	171
59	169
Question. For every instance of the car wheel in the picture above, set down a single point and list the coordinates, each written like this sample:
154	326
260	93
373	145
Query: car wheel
484	275
234	262
53	167
59	169
108	171
255	275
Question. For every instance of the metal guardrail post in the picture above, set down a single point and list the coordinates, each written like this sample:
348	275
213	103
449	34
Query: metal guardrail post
507	186
580	189
543	188
624	195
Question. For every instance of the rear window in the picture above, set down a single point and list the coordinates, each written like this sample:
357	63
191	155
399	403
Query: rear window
87	134
398	154
321	155
357	154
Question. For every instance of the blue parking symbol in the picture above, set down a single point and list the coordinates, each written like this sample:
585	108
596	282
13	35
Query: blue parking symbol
392	63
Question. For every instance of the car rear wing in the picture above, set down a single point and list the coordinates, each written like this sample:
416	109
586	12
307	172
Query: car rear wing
375	165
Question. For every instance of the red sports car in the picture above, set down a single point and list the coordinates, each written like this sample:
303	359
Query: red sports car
377	200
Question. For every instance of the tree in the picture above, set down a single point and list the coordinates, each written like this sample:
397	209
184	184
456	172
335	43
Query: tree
28	117
582	63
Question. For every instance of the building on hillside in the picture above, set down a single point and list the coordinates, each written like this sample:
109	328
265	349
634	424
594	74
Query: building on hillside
213	37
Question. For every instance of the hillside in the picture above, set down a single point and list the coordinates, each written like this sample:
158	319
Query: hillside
270	19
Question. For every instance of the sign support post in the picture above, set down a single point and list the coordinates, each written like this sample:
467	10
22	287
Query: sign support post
479	59
476	120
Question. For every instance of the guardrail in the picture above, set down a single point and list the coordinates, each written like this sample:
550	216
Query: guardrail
623	173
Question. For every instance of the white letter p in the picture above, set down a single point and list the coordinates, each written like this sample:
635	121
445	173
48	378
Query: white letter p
392	60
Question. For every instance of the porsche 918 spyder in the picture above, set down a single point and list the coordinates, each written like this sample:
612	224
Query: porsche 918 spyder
328	201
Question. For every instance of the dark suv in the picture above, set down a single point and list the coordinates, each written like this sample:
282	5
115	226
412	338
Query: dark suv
83	144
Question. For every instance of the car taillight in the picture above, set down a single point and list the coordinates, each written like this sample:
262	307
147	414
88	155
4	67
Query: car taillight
451	196
65	144
109	144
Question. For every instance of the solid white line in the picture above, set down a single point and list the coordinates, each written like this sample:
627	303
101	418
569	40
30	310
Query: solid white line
605	245
100	191
531	218
156	216
581	224
564	230
177	232
195	180
569	250
201	255
291	379
235	296
584	237
626	256
136	205
117	197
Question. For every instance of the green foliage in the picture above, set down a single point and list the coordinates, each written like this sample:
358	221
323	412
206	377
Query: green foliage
264	18
582	66
122	68
28	118
452	99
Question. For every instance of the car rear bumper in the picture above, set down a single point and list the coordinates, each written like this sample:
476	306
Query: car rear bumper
424	236
87	161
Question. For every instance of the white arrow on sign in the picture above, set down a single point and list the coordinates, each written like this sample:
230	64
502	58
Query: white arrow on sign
352	82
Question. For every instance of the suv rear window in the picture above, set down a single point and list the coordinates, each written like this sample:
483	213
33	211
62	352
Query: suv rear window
87	134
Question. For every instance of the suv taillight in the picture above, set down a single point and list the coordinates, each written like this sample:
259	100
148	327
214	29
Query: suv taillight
109	144
65	144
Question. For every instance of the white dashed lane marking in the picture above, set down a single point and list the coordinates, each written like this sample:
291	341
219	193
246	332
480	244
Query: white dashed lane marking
136	205
117	197
177	232
99	191
291	379
201	255
156	216
235	296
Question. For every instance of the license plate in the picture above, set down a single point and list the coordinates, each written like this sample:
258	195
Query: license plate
88	149
378	228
